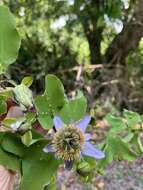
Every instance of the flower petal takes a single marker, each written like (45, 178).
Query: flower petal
(87, 136)
(48, 148)
(58, 123)
(83, 123)
(90, 150)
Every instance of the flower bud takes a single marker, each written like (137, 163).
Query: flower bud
(27, 138)
(83, 168)
(23, 96)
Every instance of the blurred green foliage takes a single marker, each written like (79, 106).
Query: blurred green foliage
(9, 39)
(58, 35)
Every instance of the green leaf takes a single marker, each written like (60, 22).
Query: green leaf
(27, 81)
(1, 136)
(36, 136)
(7, 159)
(53, 98)
(42, 105)
(44, 111)
(116, 149)
(9, 38)
(132, 118)
(54, 91)
(120, 149)
(38, 168)
(10, 161)
(12, 144)
(50, 102)
(116, 123)
(45, 121)
(3, 105)
(108, 157)
(74, 109)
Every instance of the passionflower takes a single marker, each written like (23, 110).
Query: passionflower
(70, 142)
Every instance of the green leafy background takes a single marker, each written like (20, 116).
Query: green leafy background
(9, 38)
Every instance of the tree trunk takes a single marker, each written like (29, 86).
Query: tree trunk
(94, 41)
(93, 33)
(128, 39)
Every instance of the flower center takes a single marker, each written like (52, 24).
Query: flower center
(68, 143)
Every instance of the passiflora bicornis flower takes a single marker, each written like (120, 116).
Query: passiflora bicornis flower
(71, 142)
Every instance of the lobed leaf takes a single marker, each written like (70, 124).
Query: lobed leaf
(116, 124)
(132, 118)
(74, 110)
(50, 102)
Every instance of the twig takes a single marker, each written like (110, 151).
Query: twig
(77, 68)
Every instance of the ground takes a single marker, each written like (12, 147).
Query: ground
(118, 176)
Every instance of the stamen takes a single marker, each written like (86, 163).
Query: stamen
(68, 143)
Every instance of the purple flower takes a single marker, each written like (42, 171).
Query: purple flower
(70, 141)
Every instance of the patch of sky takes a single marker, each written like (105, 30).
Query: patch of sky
(116, 23)
(59, 23)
